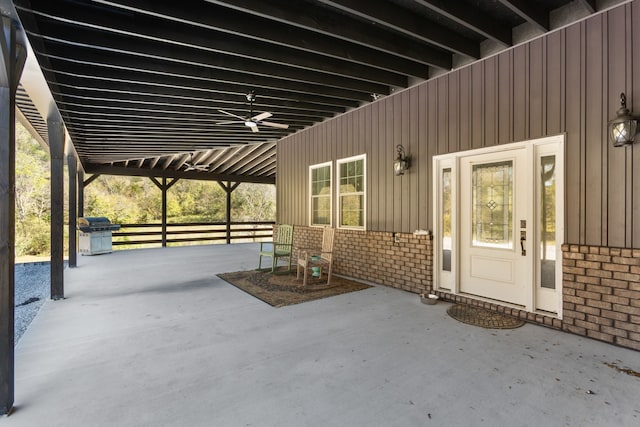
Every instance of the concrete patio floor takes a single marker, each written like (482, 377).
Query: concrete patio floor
(153, 338)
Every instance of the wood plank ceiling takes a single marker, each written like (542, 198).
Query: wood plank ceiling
(140, 84)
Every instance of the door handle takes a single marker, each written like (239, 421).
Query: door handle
(523, 239)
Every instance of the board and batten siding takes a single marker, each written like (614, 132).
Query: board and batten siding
(566, 82)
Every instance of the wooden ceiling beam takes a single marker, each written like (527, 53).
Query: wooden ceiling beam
(85, 44)
(178, 34)
(472, 18)
(530, 12)
(342, 27)
(168, 173)
(186, 104)
(130, 91)
(107, 75)
(590, 5)
(275, 76)
(209, 16)
(405, 22)
(207, 115)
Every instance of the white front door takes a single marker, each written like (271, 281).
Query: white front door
(499, 223)
(495, 213)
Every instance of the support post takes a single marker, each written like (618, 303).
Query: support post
(164, 186)
(56, 152)
(12, 58)
(80, 192)
(73, 206)
(164, 212)
(228, 188)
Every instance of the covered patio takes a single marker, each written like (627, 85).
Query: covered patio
(184, 91)
(144, 339)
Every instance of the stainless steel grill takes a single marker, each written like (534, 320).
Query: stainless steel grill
(95, 235)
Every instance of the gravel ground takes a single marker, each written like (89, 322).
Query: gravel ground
(32, 289)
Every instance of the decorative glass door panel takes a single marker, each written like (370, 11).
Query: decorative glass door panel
(447, 235)
(492, 205)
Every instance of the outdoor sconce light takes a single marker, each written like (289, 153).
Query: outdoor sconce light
(623, 129)
(401, 163)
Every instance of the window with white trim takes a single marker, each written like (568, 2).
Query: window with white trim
(320, 191)
(351, 192)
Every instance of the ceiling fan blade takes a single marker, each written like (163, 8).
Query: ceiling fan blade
(254, 129)
(228, 122)
(195, 167)
(261, 116)
(232, 115)
(275, 125)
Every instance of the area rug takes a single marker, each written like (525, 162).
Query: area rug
(279, 290)
(482, 317)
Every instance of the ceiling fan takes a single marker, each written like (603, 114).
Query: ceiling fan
(194, 166)
(252, 121)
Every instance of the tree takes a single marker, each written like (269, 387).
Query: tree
(33, 198)
(253, 202)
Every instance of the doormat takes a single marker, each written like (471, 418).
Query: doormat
(279, 290)
(482, 317)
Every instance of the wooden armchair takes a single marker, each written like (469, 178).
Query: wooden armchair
(279, 248)
(322, 258)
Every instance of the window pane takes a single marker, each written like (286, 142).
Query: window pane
(352, 211)
(320, 184)
(351, 193)
(492, 223)
(321, 195)
(358, 181)
(321, 212)
(446, 220)
(548, 222)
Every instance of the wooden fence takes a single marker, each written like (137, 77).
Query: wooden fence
(184, 233)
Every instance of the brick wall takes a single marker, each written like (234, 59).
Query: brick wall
(601, 286)
(403, 261)
(601, 293)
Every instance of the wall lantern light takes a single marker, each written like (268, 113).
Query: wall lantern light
(401, 163)
(623, 129)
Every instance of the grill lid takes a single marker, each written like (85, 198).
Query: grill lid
(96, 223)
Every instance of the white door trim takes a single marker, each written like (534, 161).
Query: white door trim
(449, 281)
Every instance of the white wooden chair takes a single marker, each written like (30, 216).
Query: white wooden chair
(322, 258)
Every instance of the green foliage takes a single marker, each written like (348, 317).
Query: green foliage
(124, 200)
(33, 196)
(120, 199)
(187, 201)
(135, 200)
(253, 202)
(33, 237)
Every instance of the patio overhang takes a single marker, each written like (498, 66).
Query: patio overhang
(145, 87)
